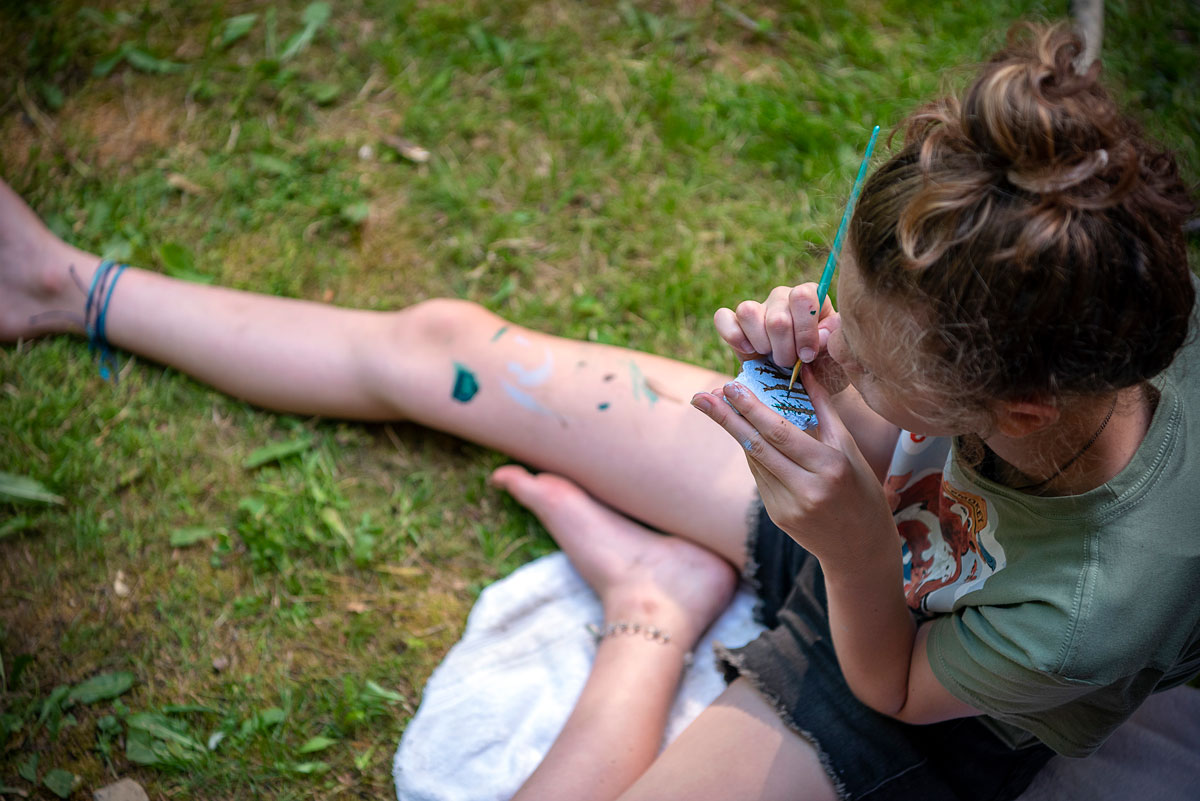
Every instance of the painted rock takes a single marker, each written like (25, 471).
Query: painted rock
(770, 385)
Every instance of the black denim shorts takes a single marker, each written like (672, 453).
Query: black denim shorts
(867, 755)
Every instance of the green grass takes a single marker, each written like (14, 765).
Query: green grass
(610, 174)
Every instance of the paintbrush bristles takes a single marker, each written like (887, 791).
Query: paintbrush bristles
(795, 372)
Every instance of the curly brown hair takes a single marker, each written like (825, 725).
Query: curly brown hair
(1037, 228)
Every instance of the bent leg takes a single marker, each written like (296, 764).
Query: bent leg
(642, 579)
(616, 421)
(736, 749)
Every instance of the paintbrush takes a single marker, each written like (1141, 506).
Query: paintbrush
(831, 262)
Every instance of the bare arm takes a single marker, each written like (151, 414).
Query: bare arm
(826, 496)
(874, 436)
(881, 651)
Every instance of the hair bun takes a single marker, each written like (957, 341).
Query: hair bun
(1052, 181)
(1037, 225)
(1047, 126)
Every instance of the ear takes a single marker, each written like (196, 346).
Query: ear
(1020, 418)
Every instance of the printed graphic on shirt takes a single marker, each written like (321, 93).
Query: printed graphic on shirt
(947, 533)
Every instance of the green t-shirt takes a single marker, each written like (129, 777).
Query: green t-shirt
(1058, 616)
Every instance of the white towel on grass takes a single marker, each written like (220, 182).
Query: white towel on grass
(493, 707)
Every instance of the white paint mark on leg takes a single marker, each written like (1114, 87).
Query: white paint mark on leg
(527, 401)
(535, 376)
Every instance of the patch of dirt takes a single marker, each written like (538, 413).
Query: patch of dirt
(361, 122)
(743, 63)
(119, 129)
(103, 130)
(18, 138)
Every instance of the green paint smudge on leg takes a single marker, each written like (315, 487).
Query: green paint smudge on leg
(465, 385)
(640, 385)
(602, 406)
(499, 333)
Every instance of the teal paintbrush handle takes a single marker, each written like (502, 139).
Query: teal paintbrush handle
(831, 262)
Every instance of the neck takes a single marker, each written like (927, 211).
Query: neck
(1064, 459)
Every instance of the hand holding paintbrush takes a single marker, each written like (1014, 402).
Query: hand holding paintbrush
(747, 331)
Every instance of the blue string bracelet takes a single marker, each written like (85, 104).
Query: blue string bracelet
(103, 283)
(106, 354)
(101, 270)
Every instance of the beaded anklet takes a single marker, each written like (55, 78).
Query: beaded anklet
(95, 314)
(648, 632)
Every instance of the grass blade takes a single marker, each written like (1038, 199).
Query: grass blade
(158, 726)
(317, 743)
(23, 488)
(102, 687)
(277, 451)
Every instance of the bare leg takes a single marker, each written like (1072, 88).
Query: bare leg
(616, 728)
(613, 420)
(737, 749)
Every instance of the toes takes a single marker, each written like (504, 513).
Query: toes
(510, 476)
(517, 482)
(537, 492)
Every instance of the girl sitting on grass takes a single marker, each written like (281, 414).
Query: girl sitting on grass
(987, 554)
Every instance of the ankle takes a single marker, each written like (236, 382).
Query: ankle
(61, 287)
(647, 644)
(645, 615)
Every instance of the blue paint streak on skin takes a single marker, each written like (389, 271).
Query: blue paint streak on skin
(640, 386)
(602, 406)
(499, 333)
(465, 385)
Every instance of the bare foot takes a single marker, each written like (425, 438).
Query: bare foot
(38, 295)
(639, 575)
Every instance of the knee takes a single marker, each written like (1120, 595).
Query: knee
(441, 322)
